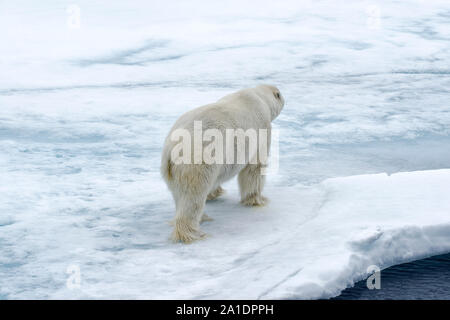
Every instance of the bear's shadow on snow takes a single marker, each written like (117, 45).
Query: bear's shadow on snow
(147, 226)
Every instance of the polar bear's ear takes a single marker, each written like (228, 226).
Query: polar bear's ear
(277, 95)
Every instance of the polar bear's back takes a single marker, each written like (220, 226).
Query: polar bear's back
(243, 109)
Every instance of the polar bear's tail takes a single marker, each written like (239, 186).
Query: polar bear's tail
(166, 167)
(166, 170)
(169, 170)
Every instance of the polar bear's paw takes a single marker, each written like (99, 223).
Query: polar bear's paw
(186, 233)
(215, 194)
(205, 217)
(255, 200)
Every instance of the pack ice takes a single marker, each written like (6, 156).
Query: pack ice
(88, 92)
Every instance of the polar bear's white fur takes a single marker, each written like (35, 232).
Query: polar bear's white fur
(192, 184)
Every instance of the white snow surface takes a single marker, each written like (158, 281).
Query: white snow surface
(364, 172)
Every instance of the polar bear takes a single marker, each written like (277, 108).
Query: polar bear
(192, 180)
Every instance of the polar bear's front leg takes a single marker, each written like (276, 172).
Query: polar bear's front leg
(251, 183)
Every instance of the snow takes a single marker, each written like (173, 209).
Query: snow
(84, 111)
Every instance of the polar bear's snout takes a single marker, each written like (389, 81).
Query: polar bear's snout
(213, 143)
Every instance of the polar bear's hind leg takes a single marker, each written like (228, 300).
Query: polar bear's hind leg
(187, 220)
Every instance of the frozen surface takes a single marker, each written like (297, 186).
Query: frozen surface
(84, 111)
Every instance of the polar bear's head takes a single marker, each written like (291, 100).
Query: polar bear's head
(272, 97)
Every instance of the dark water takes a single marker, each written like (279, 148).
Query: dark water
(423, 279)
